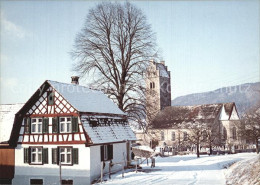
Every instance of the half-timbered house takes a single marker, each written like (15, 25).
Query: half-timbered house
(67, 133)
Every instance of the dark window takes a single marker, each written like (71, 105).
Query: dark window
(162, 135)
(173, 136)
(36, 181)
(106, 152)
(66, 182)
(234, 131)
(224, 133)
(50, 98)
(152, 85)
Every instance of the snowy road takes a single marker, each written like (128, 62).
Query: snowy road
(187, 170)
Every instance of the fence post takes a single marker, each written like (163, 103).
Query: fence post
(123, 170)
(136, 165)
(101, 178)
(110, 164)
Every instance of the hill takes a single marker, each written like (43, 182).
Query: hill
(245, 96)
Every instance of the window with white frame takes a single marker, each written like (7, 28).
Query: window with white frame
(36, 125)
(66, 155)
(65, 125)
(36, 155)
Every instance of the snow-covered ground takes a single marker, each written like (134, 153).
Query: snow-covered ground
(244, 172)
(186, 170)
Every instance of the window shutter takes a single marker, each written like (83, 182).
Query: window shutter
(75, 155)
(55, 125)
(102, 153)
(45, 126)
(45, 156)
(27, 125)
(26, 155)
(54, 156)
(110, 152)
(75, 127)
(29, 155)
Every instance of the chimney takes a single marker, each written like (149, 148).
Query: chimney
(75, 80)
(163, 62)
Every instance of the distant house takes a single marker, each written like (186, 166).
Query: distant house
(68, 132)
(7, 159)
(173, 124)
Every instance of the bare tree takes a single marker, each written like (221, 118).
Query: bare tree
(213, 135)
(197, 134)
(251, 123)
(114, 49)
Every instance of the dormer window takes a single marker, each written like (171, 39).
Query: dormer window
(36, 125)
(50, 98)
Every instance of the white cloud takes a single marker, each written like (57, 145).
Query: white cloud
(11, 29)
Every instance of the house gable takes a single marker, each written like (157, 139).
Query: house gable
(38, 107)
(223, 115)
(59, 105)
(234, 114)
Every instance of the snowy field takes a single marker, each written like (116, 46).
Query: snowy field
(188, 170)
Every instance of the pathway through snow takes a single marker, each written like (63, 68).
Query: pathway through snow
(188, 170)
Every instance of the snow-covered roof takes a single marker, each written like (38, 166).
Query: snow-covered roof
(162, 70)
(7, 114)
(108, 133)
(184, 114)
(85, 99)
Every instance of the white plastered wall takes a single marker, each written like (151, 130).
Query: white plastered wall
(119, 155)
(79, 173)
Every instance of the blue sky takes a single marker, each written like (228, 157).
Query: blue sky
(206, 44)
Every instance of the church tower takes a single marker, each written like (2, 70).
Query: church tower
(158, 84)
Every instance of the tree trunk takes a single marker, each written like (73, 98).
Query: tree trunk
(198, 150)
(210, 149)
